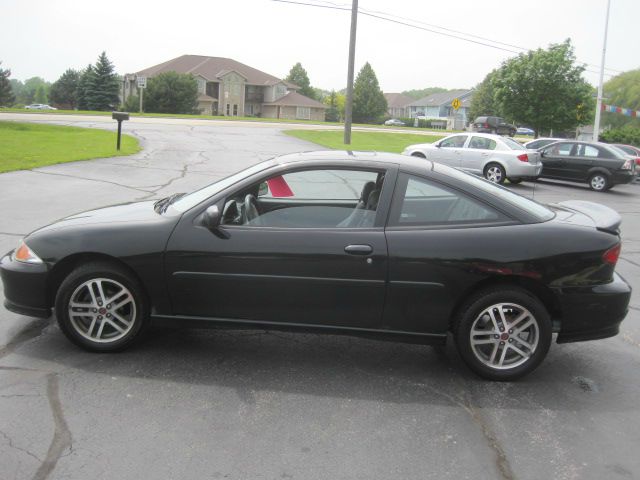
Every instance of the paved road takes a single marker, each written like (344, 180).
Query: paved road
(252, 405)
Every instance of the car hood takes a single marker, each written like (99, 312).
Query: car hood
(127, 213)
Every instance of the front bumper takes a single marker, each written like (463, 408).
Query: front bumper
(590, 313)
(25, 287)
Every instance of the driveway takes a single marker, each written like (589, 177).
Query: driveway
(196, 404)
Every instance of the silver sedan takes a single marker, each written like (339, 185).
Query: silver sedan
(496, 158)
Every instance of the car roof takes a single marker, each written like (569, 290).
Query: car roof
(353, 155)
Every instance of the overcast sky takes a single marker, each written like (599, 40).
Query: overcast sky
(45, 37)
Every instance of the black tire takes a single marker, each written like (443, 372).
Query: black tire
(521, 308)
(105, 327)
(418, 154)
(494, 172)
(515, 181)
(599, 182)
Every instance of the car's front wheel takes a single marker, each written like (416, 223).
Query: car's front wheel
(495, 173)
(101, 307)
(503, 333)
(599, 182)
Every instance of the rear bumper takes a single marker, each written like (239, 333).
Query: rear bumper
(524, 170)
(25, 287)
(591, 313)
(621, 178)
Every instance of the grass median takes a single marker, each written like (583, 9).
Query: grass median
(26, 145)
(378, 141)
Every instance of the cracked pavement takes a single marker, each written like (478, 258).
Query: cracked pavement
(195, 404)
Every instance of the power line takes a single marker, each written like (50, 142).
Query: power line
(386, 17)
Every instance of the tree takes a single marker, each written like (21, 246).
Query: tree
(41, 95)
(28, 90)
(623, 91)
(64, 91)
(6, 93)
(332, 114)
(483, 101)
(628, 135)
(543, 89)
(298, 76)
(369, 103)
(417, 94)
(103, 86)
(171, 92)
(82, 95)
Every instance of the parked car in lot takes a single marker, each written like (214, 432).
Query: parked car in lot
(538, 143)
(495, 125)
(630, 150)
(395, 122)
(496, 158)
(378, 245)
(39, 106)
(525, 131)
(599, 165)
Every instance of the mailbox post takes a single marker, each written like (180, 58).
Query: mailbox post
(120, 117)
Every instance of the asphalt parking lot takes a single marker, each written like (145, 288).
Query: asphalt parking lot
(204, 404)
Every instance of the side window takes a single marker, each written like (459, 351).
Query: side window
(420, 202)
(454, 142)
(588, 151)
(560, 149)
(320, 198)
(482, 143)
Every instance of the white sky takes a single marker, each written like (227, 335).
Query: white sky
(45, 37)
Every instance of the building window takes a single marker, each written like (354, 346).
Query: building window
(281, 91)
(303, 113)
(248, 109)
(235, 109)
(228, 112)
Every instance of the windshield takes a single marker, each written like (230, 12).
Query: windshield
(191, 200)
(512, 144)
(530, 206)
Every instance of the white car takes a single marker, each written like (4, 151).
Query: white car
(495, 157)
(39, 106)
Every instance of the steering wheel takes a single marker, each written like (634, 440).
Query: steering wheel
(231, 214)
(250, 209)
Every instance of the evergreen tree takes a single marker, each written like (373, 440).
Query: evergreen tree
(6, 93)
(369, 104)
(83, 88)
(332, 114)
(64, 91)
(103, 86)
(171, 92)
(298, 76)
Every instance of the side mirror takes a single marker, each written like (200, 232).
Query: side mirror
(543, 154)
(211, 217)
(437, 145)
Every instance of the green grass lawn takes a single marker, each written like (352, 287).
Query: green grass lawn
(26, 145)
(378, 141)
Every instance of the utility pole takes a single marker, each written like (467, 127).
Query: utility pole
(348, 107)
(596, 125)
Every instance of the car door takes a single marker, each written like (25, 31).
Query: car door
(554, 160)
(582, 159)
(476, 152)
(289, 265)
(449, 150)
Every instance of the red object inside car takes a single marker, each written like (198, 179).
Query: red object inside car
(279, 187)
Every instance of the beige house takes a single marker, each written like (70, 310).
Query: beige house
(397, 104)
(230, 88)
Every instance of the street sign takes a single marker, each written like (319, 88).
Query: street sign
(456, 103)
(142, 82)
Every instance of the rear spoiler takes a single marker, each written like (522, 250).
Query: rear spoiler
(604, 218)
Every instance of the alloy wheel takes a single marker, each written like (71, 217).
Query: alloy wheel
(494, 174)
(598, 182)
(102, 310)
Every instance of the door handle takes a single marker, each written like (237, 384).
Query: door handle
(358, 249)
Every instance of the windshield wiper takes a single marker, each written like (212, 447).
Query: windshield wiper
(161, 205)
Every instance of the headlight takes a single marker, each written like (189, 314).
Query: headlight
(24, 254)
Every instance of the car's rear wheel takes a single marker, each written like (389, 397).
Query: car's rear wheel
(503, 333)
(418, 154)
(101, 307)
(599, 182)
(495, 173)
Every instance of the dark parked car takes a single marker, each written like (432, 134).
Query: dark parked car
(600, 165)
(630, 150)
(496, 125)
(378, 245)
(538, 143)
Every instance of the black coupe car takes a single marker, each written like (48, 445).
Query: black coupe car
(379, 245)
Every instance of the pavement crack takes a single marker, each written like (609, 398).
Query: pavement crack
(15, 447)
(90, 180)
(630, 261)
(32, 331)
(11, 234)
(62, 439)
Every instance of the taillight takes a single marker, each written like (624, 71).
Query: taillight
(611, 255)
(638, 162)
(523, 158)
(627, 165)
(486, 125)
